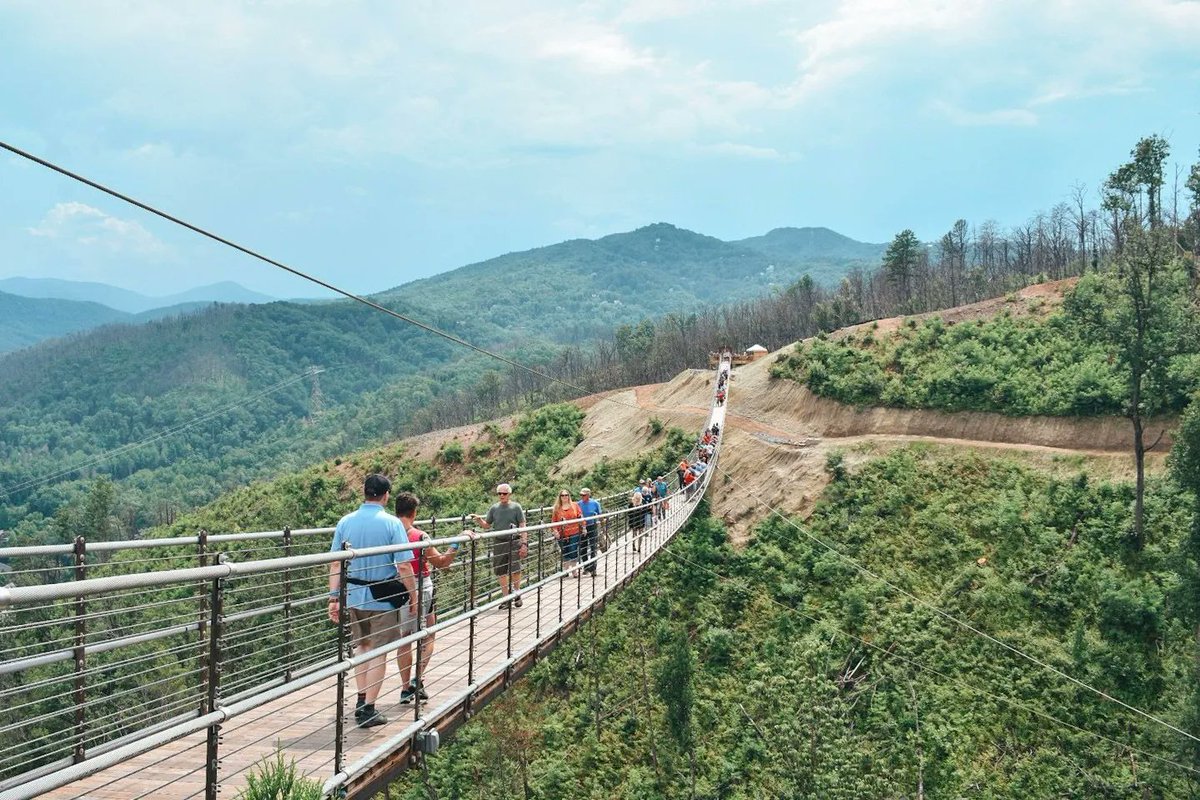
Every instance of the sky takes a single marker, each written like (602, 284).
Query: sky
(373, 143)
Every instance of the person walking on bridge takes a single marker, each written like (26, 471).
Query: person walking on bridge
(407, 504)
(568, 532)
(589, 543)
(378, 585)
(660, 491)
(506, 551)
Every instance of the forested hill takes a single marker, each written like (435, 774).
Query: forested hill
(27, 320)
(125, 300)
(220, 396)
(821, 247)
(206, 393)
(584, 287)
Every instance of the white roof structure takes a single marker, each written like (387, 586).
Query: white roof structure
(758, 348)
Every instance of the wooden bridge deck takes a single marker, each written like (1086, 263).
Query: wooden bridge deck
(302, 723)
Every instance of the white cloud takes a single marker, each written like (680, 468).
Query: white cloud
(746, 151)
(1016, 117)
(357, 81)
(80, 224)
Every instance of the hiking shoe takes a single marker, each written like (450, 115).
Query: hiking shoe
(418, 689)
(406, 695)
(517, 602)
(504, 606)
(370, 718)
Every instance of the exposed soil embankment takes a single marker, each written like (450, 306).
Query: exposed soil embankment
(779, 435)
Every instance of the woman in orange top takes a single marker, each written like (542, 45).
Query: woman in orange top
(567, 512)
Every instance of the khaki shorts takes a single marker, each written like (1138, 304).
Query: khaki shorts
(371, 629)
(408, 624)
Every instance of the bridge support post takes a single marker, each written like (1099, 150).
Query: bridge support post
(339, 723)
(418, 673)
(471, 621)
(202, 619)
(212, 767)
(80, 654)
(287, 606)
(537, 620)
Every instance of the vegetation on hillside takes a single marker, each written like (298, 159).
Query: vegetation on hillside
(158, 679)
(800, 676)
(1011, 365)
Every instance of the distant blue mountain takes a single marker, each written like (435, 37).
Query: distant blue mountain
(25, 321)
(124, 299)
(799, 245)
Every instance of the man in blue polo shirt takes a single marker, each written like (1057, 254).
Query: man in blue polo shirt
(589, 545)
(373, 622)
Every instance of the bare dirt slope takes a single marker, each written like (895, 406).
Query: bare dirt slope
(779, 434)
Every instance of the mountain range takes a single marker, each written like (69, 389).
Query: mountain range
(230, 380)
(615, 279)
(125, 300)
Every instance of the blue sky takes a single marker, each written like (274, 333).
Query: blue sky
(375, 143)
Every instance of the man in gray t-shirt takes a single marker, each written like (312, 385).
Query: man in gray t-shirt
(506, 551)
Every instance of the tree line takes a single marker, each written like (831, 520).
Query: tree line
(967, 264)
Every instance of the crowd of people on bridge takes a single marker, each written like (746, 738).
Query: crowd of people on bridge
(690, 473)
(388, 595)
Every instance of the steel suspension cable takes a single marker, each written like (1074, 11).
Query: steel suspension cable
(280, 265)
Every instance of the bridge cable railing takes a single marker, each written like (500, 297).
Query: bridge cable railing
(311, 655)
(229, 570)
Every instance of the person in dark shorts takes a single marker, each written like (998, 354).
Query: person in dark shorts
(636, 516)
(506, 551)
(589, 543)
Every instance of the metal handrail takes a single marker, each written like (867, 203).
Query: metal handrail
(213, 623)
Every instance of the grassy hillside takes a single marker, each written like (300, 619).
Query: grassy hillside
(781, 671)
(1066, 363)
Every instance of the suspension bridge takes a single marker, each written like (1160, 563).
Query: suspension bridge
(124, 674)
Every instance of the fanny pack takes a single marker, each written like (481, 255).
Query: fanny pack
(391, 591)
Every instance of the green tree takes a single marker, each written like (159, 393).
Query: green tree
(1149, 156)
(1142, 312)
(678, 695)
(900, 262)
(1193, 220)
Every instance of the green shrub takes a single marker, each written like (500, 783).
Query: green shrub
(451, 453)
(274, 779)
(656, 426)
